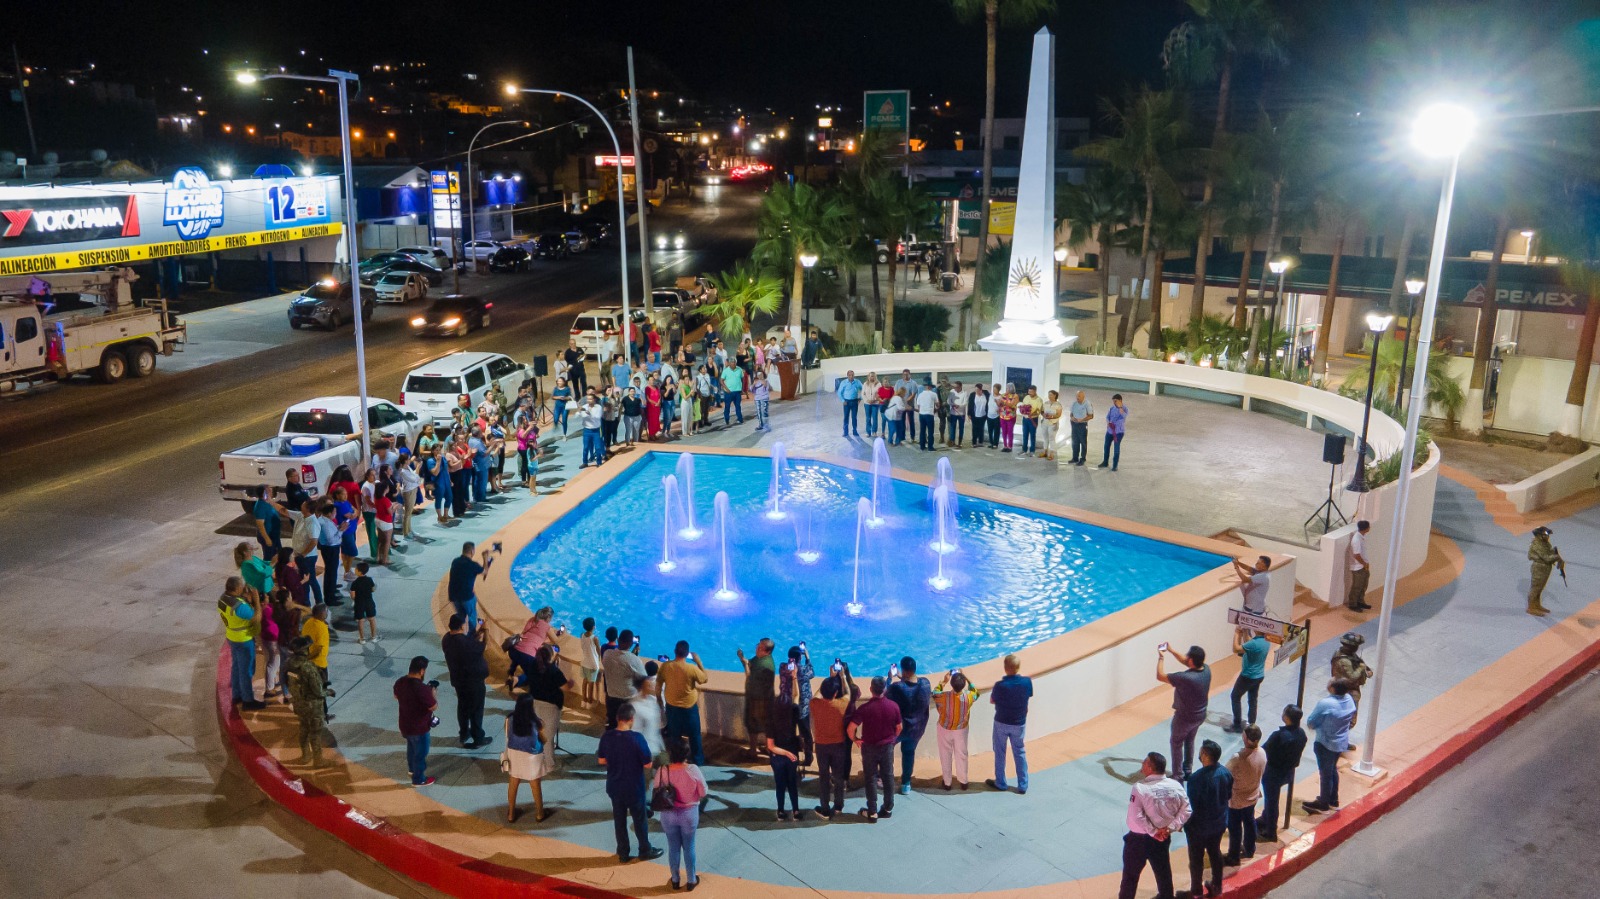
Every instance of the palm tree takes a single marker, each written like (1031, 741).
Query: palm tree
(743, 291)
(1204, 50)
(1242, 203)
(1150, 146)
(1443, 391)
(994, 12)
(1173, 225)
(988, 296)
(900, 208)
(1569, 235)
(794, 221)
(1280, 151)
(1098, 210)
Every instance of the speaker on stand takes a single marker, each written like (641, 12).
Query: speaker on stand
(1333, 446)
(541, 368)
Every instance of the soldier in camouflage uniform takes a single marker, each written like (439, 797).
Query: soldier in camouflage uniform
(1348, 665)
(309, 696)
(1544, 558)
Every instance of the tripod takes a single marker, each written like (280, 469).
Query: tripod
(1329, 508)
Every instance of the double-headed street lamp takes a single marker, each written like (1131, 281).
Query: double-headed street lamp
(343, 80)
(472, 223)
(1413, 289)
(622, 209)
(1377, 323)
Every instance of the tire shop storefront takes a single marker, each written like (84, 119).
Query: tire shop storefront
(186, 233)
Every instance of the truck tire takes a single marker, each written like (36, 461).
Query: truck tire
(113, 366)
(333, 321)
(141, 360)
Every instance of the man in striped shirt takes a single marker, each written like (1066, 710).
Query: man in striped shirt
(953, 701)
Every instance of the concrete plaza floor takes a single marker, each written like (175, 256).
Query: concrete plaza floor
(1063, 838)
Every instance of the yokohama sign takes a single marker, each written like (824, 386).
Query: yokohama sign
(67, 220)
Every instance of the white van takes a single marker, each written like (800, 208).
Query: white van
(598, 331)
(431, 390)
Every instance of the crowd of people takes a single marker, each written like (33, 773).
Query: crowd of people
(940, 413)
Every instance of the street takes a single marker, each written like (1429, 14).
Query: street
(115, 543)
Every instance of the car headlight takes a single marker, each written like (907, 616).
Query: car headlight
(679, 243)
(450, 322)
(418, 322)
(661, 243)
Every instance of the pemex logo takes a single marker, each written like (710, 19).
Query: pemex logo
(193, 204)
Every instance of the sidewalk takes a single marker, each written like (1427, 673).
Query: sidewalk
(1461, 649)
(215, 335)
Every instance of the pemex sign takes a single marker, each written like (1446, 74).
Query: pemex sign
(888, 111)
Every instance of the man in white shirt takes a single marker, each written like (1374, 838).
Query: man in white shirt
(1360, 570)
(593, 415)
(1254, 584)
(980, 414)
(1157, 807)
(957, 420)
(927, 403)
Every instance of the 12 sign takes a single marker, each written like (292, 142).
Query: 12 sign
(292, 202)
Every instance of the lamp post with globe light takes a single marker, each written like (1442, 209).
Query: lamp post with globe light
(1440, 131)
(1413, 289)
(807, 261)
(343, 80)
(1377, 323)
(1278, 267)
(622, 209)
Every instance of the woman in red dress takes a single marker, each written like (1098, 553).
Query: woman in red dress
(652, 408)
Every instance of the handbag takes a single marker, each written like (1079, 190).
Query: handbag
(664, 797)
(505, 761)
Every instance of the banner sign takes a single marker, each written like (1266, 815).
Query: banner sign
(1002, 217)
(969, 188)
(1513, 296)
(144, 252)
(31, 223)
(193, 204)
(445, 182)
(1261, 624)
(604, 161)
(1294, 646)
(296, 201)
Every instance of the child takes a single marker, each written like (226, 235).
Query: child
(589, 666)
(366, 611)
(762, 394)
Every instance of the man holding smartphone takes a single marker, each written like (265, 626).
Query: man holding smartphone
(680, 685)
(464, 574)
(624, 670)
(1191, 691)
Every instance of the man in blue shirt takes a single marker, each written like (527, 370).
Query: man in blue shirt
(1331, 721)
(1080, 414)
(269, 523)
(626, 757)
(464, 574)
(850, 395)
(912, 694)
(911, 388)
(1010, 699)
(1209, 790)
(1252, 648)
(480, 465)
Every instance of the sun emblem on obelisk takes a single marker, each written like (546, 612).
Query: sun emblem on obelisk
(1025, 276)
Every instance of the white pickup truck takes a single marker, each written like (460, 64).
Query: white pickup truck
(315, 438)
(54, 326)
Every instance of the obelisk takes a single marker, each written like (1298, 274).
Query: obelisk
(1026, 347)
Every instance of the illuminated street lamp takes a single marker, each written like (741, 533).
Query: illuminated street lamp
(1441, 131)
(472, 224)
(1413, 289)
(1377, 323)
(807, 260)
(1061, 261)
(622, 210)
(343, 80)
(1278, 267)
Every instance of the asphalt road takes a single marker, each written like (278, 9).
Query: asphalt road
(113, 541)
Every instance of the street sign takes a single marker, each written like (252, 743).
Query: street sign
(1261, 624)
(1293, 647)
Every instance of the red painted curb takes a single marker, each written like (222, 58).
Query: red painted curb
(372, 836)
(1261, 877)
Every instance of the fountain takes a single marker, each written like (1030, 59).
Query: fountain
(691, 530)
(805, 548)
(775, 488)
(669, 499)
(882, 488)
(947, 535)
(725, 588)
(863, 520)
(943, 475)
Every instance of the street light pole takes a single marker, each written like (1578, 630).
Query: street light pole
(1277, 267)
(622, 209)
(1413, 287)
(1440, 131)
(807, 260)
(1377, 323)
(343, 80)
(638, 189)
(472, 222)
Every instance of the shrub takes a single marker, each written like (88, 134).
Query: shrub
(920, 324)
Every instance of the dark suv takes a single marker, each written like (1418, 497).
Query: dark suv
(326, 304)
(552, 246)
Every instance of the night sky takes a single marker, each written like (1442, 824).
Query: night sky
(788, 55)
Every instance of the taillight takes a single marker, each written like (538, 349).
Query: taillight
(402, 397)
(488, 305)
(308, 474)
(576, 331)
(222, 470)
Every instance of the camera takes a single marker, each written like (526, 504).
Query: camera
(434, 684)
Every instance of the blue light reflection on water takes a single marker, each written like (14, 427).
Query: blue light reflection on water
(1019, 577)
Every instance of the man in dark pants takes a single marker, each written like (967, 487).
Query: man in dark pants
(1191, 690)
(626, 757)
(1331, 719)
(874, 730)
(1209, 790)
(576, 376)
(1156, 808)
(328, 547)
(1080, 414)
(1284, 749)
(463, 655)
(912, 695)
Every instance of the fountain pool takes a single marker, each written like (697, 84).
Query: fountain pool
(1014, 577)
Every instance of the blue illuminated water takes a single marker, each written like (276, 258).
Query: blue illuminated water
(1018, 577)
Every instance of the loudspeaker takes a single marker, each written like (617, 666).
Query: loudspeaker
(541, 369)
(1333, 449)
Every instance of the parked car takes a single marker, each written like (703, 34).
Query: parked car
(552, 246)
(577, 241)
(509, 259)
(452, 315)
(431, 390)
(373, 267)
(434, 256)
(598, 231)
(677, 240)
(327, 304)
(670, 300)
(597, 331)
(479, 249)
(407, 264)
(400, 287)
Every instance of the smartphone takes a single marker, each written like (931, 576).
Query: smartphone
(636, 644)
(498, 546)
(894, 670)
(803, 646)
(954, 671)
(663, 659)
(1161, 648)
(691, 656)
(838, 666)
